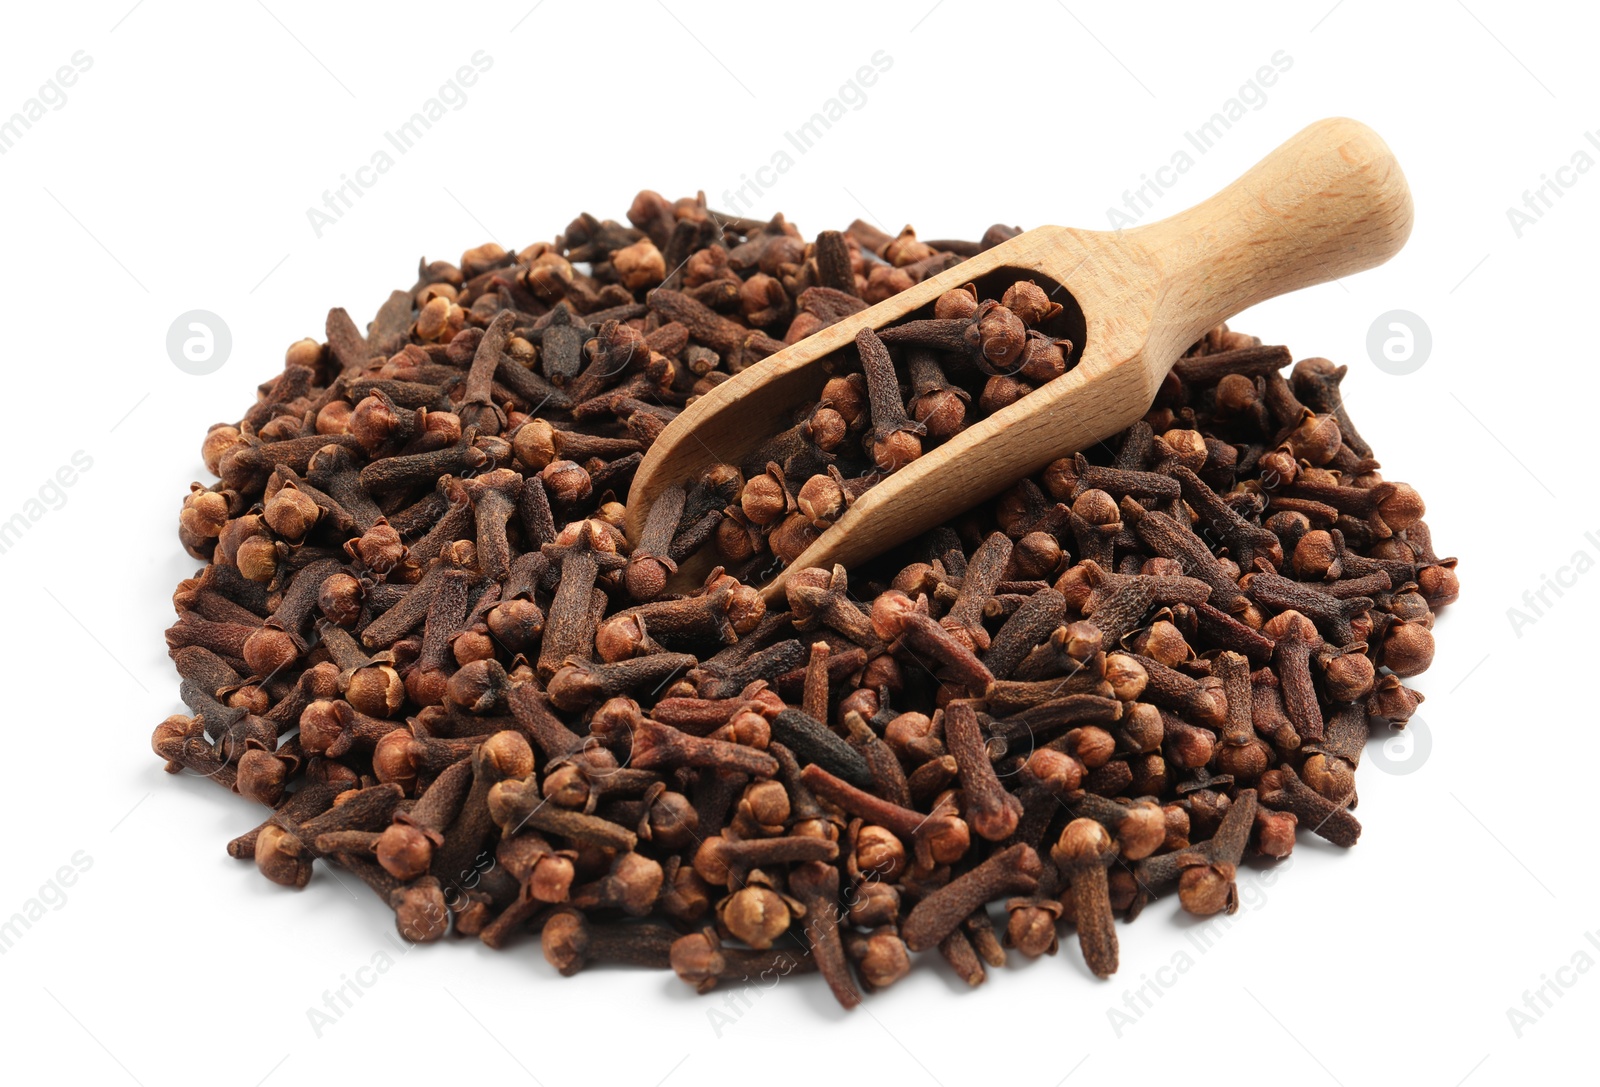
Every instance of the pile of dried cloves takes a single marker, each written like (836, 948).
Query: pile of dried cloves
(423, 642)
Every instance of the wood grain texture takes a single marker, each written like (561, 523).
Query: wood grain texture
(1329, 202)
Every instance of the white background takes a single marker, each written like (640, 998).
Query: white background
(177, 176)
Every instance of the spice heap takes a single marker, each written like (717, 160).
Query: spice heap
(423, 642)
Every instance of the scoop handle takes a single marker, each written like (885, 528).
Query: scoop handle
(1330, 201)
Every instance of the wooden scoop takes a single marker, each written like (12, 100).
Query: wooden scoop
(1329, 202)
